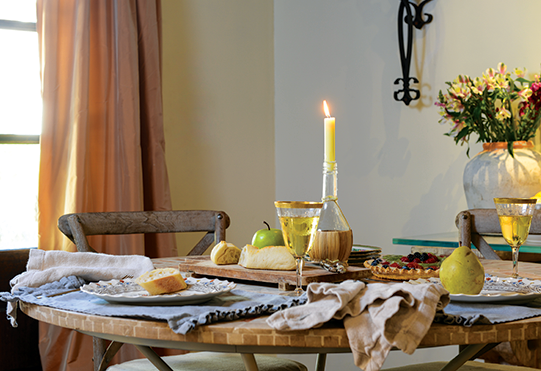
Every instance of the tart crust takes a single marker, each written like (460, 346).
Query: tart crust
(398, 274)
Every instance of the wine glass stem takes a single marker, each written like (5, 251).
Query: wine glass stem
(515, 260)
(298, 289)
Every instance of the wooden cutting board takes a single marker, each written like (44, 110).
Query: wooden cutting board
(203, 266)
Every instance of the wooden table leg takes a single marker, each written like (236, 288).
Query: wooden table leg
(320, 361)
(462, 357)
(249, 362)
(99, 348)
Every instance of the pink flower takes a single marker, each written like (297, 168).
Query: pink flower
(525, 93)
(490, 73)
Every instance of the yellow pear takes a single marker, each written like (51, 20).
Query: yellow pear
(462, 272)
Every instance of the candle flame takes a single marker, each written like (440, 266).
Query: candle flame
(326, 109)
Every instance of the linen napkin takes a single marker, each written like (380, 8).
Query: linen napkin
(377, 316)
(47, 266)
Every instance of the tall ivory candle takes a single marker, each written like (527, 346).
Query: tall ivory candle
(329, 134)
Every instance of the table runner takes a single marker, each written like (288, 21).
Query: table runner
(230, 306)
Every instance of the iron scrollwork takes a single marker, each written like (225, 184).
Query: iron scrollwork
(414, 18)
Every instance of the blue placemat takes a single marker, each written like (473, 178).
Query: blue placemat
(233, 305)
(469, 314)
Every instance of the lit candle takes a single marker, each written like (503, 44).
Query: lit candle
(329, 134)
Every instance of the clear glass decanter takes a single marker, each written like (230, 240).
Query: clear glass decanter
(334, 237)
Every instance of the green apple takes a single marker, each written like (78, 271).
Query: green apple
(268, 237)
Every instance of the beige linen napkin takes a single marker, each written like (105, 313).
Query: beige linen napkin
(50, 266)
(377, 316)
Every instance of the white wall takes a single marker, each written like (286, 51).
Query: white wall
(398, 174)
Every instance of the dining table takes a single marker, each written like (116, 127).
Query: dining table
(254, 335)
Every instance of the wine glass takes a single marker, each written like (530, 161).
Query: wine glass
(515, 216)
(299, 220)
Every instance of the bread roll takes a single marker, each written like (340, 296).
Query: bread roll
(161, 281)
(270, 257)
(225, 253)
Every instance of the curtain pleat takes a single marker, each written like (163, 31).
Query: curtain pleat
(102, 141)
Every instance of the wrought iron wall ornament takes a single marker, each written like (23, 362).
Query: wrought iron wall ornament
(414, 17)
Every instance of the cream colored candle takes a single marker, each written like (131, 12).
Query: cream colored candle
(329, 134)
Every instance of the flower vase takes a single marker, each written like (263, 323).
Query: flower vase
(493, 172)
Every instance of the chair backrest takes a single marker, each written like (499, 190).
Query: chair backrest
(77, 226)
(473, 223)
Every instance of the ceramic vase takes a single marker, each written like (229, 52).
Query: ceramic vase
(494, 173)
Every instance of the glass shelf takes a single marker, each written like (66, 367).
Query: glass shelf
(450, 239)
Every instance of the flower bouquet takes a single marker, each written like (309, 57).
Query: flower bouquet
(496, 106)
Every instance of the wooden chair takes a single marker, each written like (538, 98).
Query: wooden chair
(80, 225)
(474, 223)
(77, 226)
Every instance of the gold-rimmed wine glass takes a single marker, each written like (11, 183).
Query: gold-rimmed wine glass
(299, 220)
(515, 216)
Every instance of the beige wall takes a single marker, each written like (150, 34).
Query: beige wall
(218, 94)
(243, 86)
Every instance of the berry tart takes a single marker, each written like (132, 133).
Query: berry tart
(408, 267)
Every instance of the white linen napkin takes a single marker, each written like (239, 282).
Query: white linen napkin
(377, 316)
(49, 266)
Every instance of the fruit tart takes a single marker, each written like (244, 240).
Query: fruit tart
(405, 267)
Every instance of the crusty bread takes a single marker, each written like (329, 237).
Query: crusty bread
(225, 253)
(270, 257)
(161, 281)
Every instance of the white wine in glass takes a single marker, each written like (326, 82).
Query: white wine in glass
(299, 220)
(515, 216)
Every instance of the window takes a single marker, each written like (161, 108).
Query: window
(20, 123)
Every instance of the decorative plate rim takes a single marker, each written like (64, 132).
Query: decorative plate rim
(127, 288)
(504, 289)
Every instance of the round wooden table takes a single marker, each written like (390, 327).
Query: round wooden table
(256, 336)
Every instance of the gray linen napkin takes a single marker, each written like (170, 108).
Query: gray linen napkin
(377, 317)
(47, 266)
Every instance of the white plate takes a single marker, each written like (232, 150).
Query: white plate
(499, 290)
(362, 249)
(533, 238)
(128, 292)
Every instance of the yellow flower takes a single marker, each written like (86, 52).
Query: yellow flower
(520, 72)
(478, 86)
(502, 113)
(460, 91)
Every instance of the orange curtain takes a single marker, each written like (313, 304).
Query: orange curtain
(102, 142)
